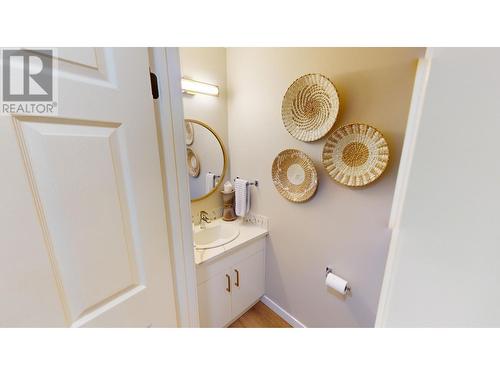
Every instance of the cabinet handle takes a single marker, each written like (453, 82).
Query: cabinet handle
(228, 289)
(237, 283)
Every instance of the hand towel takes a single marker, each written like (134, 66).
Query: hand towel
(242, 195)
(209, 182)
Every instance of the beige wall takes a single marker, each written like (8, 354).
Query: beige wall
(340, 226)
(206, 65)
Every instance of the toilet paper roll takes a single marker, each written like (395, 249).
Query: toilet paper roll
(337, 283)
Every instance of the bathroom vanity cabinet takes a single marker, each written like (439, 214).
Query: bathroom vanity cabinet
(231, 283)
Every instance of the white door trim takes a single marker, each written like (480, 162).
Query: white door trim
(165, 64)
(414, 114)
(417, 101)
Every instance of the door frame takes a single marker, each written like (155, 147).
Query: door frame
(411, 134)
(169, 113)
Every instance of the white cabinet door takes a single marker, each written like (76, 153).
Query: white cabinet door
(248, 282)
(83, 235)
(214, 301)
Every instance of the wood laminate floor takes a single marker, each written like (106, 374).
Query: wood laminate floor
(260, 316)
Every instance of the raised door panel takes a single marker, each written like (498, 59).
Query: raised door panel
(83, 56)
(28, 293)
(76, 175)
(89, 65)
(214, 302)
(249, 274)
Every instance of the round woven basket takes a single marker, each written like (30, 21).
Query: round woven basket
(355, 154)
(193, 163)
(189, 132)
(310, 107)
(294, 175)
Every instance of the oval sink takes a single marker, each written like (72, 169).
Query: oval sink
(214, 236)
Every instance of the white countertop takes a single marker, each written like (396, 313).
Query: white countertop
(248, 233)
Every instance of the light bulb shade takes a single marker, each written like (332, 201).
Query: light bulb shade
(195, 87)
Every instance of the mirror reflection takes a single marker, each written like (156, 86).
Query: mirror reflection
(206, 159)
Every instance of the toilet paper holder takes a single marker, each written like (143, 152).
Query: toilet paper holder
(329, 269)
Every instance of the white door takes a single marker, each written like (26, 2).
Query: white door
(214, 300)
(248, 282)
(83, 235)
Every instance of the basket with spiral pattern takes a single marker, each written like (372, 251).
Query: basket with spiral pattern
(310, 107)
(188, 125)
(294, 175)
(355, 154)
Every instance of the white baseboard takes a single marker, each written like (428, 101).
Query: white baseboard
(282, 312)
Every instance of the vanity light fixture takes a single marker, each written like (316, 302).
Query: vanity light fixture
(192, 87)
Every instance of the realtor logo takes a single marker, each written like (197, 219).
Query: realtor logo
(27, 81)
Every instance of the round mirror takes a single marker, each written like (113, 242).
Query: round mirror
(206, 157)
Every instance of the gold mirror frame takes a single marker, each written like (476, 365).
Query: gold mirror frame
(224, 154)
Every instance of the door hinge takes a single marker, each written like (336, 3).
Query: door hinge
(154, 85)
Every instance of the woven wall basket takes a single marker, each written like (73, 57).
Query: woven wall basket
(355, 154)
(193, 163)
(310, 107)
(188, 125)
(294, 175)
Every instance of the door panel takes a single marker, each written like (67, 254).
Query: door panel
(91, 194)
(29, 295)
(88, 184)
(96, 65)
(83, 56)
(251, 282)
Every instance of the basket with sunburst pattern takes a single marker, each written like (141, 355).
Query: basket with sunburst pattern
(310, 107)
(355, 154)
(294, 175)
(193, 163)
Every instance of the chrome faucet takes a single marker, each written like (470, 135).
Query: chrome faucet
(204, 219)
